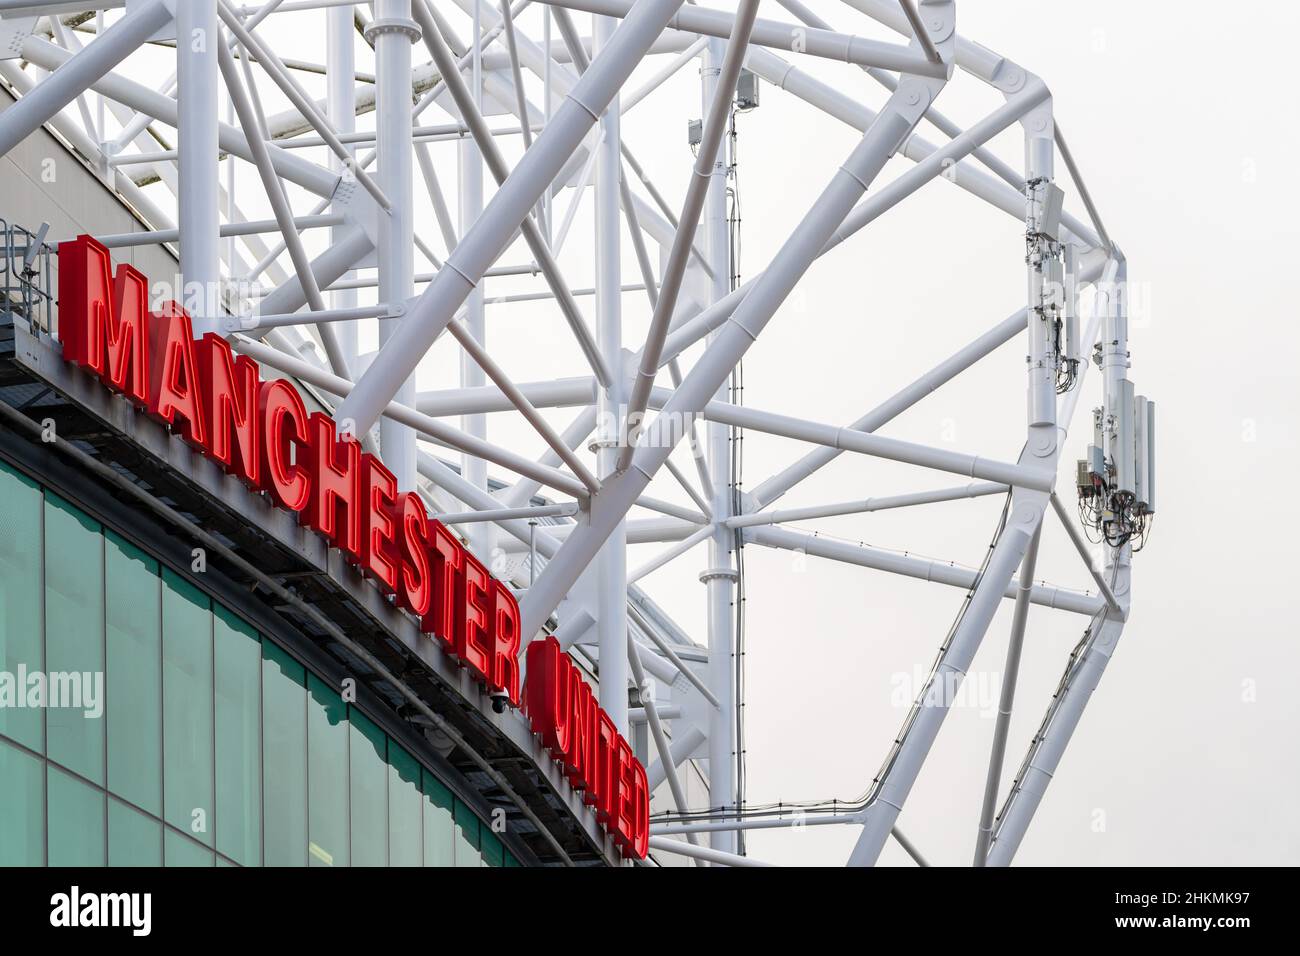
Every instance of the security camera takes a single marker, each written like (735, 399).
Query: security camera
(499, 701)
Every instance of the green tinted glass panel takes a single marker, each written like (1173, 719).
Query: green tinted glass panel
(76, 821)
(511, 860)
(327, 775)
(404, 808)
(74, 638)
(369, 789)
(494, 854)
(284, 757)
(237, 657)
(182, 851)
(467, 842)
(187, 708)
(133, 614)
(439, 825)
(22, 807)
(21, 644)
(134, 839)
(204, 725)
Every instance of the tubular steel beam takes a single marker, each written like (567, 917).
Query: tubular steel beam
(675, 268)
(926, 569)
(669, 845)
(432, 427)
(700, 384)
(537, 245)
(73, 74)
(1006, 698)
(781, 36)
(487, 238)
(1081, 546)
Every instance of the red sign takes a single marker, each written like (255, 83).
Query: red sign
(596, 757)
(260, 431)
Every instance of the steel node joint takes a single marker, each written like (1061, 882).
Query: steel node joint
(377, 28)
(712, 574)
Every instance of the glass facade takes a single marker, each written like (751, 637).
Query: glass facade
(195, 740)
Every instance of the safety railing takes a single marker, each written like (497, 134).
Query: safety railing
(25, 275)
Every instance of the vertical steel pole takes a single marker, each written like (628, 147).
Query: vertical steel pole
(548, 225)
(611, 621)
(199, 171)
(720, 576)
(469, 207)
(393, 32)
(1009, 675)
(341, 108)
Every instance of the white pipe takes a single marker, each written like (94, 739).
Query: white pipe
(341, 110)
(470, 108)
(611, 563)
(438, 431)
(940, 572)
(1010, 674)
(251, 227)
(489, 235)
(676, 551)
(719, 71)
(484, 360)
(685, 743)
(501, 514)
(73, 74)
(139, 97)
(755, 823)
(199, 215)
(783, 36)
(1081, 546)
(651, 712)
(778, 484)
(794, 258)
(973, 490)
(669, 845)
(393, 32)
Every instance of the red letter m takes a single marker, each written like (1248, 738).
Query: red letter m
(101, 319)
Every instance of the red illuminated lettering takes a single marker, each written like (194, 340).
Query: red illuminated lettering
(576, 731)
(549, 695)
(284, 431)
(416, 592)
(173, 376)
(448, 557)
(505, 641)
(379, 519)
(473, 639)
(606, 744)
(102, 319)
(334, 506)
(261, 432)
(229, 387)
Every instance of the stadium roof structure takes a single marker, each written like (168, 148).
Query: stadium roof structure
(166, 150)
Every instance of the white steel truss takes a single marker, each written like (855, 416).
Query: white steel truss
(564, 522)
